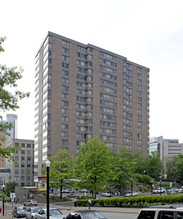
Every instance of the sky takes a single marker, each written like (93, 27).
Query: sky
(147, 32)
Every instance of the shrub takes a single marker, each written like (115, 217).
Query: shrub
(138, 201)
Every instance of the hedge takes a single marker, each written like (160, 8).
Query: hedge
(138, 201)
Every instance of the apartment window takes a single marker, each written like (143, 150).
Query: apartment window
(65, 58)
(81, 70)
(65, 50)
(65, 73)
(108, 56)
(79, 91)
(89, 57)
(65, 126)
(65, 43)
(80, 48)
(90, 63)
(81, 99)
(64, 142)
(65, 65)
(81, 55)
(65, 111)
(65, 81)
(65, 88)
(64, 134)
(80, 84)
(90, 71)
(65, 96)
(65, 119)
(80, 77)
(16, 171)
(90, 49)
(79, 62)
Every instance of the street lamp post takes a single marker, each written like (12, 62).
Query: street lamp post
(151, 187)
(3, 200)
(47, 170)
(160, 183)
(131, 186)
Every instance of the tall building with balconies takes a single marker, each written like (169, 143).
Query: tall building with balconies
(83, 91)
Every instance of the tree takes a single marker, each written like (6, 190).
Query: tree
(10, 188)
(179, 169)
(61, 169)
(9, 100)
(122, 167)
(171, 168)
(93, 165)
(153, 166)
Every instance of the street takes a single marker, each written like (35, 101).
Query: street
(107, 214)
(112, 215)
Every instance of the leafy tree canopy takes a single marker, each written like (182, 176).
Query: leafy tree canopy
(61, 169)
(93, 165)
(10, 188)
(9, 97)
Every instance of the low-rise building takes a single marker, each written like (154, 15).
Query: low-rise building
(167, 148)
(22, 171)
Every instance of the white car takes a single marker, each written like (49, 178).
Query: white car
(129, 194)
(30, 213)
(160, 212)
(159, 190)
(54, 213)
(30, 203)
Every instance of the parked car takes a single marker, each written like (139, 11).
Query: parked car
(83, 190)
(19, 212)
(181, 189)
(54, 213)
(129, 194)
(30, 213)
(160, 212)
(72, 195)
(85, 214)
(172, 191)
(66, 190)
(30, 203)
(159, 190)
(106, 194)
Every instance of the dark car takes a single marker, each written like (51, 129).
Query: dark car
(84, 214)
(19, 212)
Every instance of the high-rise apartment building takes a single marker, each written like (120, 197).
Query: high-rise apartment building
(83, 91)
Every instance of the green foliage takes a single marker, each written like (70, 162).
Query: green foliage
(10, 188)
(179, 169)
(61, 169)
(154, 166)
(57, 199)
(93, 165)
(9, 97)
(138, 201)
(123, 164)
(171, 169)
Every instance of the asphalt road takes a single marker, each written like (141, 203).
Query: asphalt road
(112, 215)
